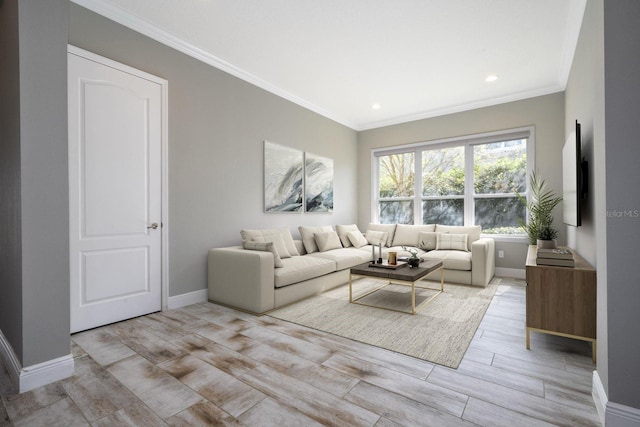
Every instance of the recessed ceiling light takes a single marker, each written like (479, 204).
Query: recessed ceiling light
(491, 78)
(376, 106)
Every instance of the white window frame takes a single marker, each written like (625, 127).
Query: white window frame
(468, 141)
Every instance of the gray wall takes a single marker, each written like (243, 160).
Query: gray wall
(584, 101)
(604, 90)
(35, 219)
(217, 125)
(545, 112)
(622, 181)
(10, 223)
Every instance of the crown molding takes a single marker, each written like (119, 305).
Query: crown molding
(462, 107)
(570, 43)
(153, 32)
(121, 17)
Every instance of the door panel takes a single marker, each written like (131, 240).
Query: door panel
(115, 140)
(115, 273)
(107, 210)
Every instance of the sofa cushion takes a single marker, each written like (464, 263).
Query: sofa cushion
(473, 232)
(308, 237)
(343, 230)
(278, 243)
(427, 240)
(451, 260)
(327, 241)
(345, 257)
(455, 242)
(284, 232)
(299, 268)
(407, 235)
(265, 247)
(376, 237)
(300, 246)
(357, 239)
(389, 228)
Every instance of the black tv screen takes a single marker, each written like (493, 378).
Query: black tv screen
(572, 178)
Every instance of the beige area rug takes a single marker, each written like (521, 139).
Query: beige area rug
(439, 333)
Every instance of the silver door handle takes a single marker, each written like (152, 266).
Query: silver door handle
(153, 226)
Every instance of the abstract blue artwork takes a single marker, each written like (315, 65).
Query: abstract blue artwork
(318, 173)
(283, 175)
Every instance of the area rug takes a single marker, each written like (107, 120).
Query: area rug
(439, 333)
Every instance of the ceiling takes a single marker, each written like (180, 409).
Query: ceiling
(414, 58)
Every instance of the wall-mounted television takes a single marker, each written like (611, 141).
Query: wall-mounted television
(574, 178)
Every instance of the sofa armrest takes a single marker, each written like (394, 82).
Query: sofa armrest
(242, 278)
(483, 261)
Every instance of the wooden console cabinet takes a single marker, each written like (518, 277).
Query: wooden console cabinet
(561, 300)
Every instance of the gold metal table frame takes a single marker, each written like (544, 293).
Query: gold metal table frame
(393, 281)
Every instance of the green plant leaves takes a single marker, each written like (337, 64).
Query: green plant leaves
(540, 207)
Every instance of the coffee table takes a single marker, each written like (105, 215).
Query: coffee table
(401, 276)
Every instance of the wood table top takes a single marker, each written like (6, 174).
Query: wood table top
(402, 273)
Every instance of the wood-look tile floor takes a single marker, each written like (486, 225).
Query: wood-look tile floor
(210, 365)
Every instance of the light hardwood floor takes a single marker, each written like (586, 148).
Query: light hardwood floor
(210, 365)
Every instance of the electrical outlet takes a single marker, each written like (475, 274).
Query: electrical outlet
(500, 254)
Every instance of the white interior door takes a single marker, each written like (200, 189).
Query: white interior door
(115, 168)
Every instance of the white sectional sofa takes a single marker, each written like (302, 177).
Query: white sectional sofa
(272, 269)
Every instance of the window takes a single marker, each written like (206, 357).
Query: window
(396, 189)
(500, 172)
(443, 186)
(468, 181)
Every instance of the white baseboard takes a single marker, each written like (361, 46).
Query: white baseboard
(35, 375)
(621, 416)
(46, 372)
(516, 273)
(599, 396)
(10, 360)
(189, 298)
(612, 414)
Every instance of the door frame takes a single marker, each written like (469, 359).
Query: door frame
(164, 153)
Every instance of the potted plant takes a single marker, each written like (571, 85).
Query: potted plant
(413, 260)
(547, 237)
(543, 200)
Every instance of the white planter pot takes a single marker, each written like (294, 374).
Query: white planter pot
(546, 244)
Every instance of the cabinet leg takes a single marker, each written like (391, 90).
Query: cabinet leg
(593, 350)
(528, 340)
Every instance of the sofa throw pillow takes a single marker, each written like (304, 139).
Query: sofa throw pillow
(284, 232)
(376, 237)
(453, 242)
(342, 231)
(408, 235)
(327, 241)
(357, 239)
(390, 229)
(473, 231)
(427, 240)
(264, 247)
(308, 238)
(278, 244)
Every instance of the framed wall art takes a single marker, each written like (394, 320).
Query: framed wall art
(318, 183)
(283, 178)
